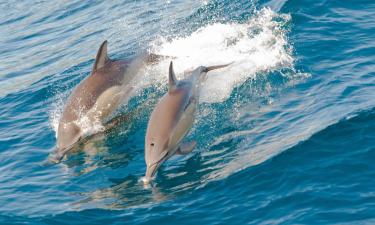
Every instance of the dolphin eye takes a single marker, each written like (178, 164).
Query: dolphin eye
(152, 144)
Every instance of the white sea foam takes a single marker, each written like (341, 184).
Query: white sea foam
(256, 46)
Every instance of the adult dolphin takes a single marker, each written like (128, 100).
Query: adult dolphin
(96, 97)
(172, 118)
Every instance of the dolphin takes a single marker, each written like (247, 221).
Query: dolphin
(96, 97)
(172, 118)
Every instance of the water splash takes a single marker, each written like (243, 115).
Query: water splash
(259, 45)
(88, 125)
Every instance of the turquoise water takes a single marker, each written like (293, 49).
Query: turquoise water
(285, 134)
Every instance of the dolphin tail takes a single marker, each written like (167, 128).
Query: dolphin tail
(209, 68)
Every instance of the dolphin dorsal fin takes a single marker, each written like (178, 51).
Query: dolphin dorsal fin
(101, 56)
(172, 81)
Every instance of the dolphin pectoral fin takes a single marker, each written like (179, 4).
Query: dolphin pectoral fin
(186, 148)
(101, 56)
(172, 80)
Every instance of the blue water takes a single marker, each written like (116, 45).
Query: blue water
(290, 143)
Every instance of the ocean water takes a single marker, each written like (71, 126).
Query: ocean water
(285, 134)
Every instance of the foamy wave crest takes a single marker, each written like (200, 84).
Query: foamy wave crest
(259, 45)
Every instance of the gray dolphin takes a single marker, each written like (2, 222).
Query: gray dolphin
(172, 118)
(96, 97)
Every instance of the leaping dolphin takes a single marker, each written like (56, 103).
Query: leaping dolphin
(172, 119)
(96, 97)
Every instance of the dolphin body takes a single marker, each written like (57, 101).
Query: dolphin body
(172, 118)
(96, 97)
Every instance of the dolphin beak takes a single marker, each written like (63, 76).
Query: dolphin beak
(151, 171)
(58, 154)
(55, 156)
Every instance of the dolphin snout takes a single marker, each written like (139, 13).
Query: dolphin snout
(56, 156)
(150, 172)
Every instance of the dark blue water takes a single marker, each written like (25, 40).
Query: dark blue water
(285, 135)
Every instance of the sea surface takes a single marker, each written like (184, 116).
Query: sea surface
(286, 133)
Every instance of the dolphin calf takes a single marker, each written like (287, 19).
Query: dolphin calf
(95, 98)
(172, 118)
